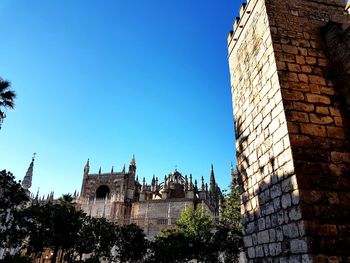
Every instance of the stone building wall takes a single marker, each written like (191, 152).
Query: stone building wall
(156, 215)
(292, 129)
(115, 182)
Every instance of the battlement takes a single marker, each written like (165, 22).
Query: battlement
(240, 21)
(247, 8)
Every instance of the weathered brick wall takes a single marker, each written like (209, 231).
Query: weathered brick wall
(292, 130)
(316, 109)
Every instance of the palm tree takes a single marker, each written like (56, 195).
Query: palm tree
(66, 200)
(7, 97)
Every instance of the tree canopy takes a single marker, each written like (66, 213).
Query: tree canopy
(12, 197)
(7, 98)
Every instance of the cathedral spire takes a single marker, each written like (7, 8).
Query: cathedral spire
(132, 166)
(112, 171)
(87, 167)
(191, 184)
(212, 180)
(202, 185)
(165, 187)
(27, 180)
(234, 175)
(133, 161)
(143, 188)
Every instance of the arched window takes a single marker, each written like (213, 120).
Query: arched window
(102, 191)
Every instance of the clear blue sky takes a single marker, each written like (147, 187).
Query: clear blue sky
(107, 79)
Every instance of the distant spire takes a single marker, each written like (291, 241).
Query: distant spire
(165, 183)
(112, 171)
(27, 180)
(156, 185)
(123, 171)
(234, 175)
(212, 179)
(202, 185)
(191, 184)
(87, 167)
(133, 161)
(36, 199)
(99, 171)
(143, 188)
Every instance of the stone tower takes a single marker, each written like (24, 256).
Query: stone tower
(290, 76)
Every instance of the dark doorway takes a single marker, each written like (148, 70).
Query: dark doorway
(102, 191)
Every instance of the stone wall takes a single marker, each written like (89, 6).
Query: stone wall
(156, 215)
(292, 130)
(115, 182)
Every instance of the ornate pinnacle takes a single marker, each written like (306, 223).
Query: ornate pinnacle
(186, 183)
(191, 184)
(133, 160)
(27, 180)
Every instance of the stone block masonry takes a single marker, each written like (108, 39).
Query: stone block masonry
(290, 77)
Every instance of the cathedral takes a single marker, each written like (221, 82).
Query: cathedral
(121, 198)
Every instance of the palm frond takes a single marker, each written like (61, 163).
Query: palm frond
(4, 85)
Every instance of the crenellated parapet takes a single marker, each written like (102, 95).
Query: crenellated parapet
(240, 22)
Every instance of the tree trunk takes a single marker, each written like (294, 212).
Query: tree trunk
(61, 255)
(54, 255)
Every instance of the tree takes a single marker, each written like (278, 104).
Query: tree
(191, 239)
(130, 245)
(86, 242)
(7, 97)
(37, 220)
(105, 236)
(53, 226)
(228, 236)
(12, 196)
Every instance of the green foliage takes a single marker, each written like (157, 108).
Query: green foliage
(231, 210)
(51, 226)
(85, 243)
(171, 246)
(130, 245)
(15, 259)
(105, 236)
(7, 97)
(191, 239)
(12, 197)
(197, 237)
(229, 229)
(195, 223)
(60, 227)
